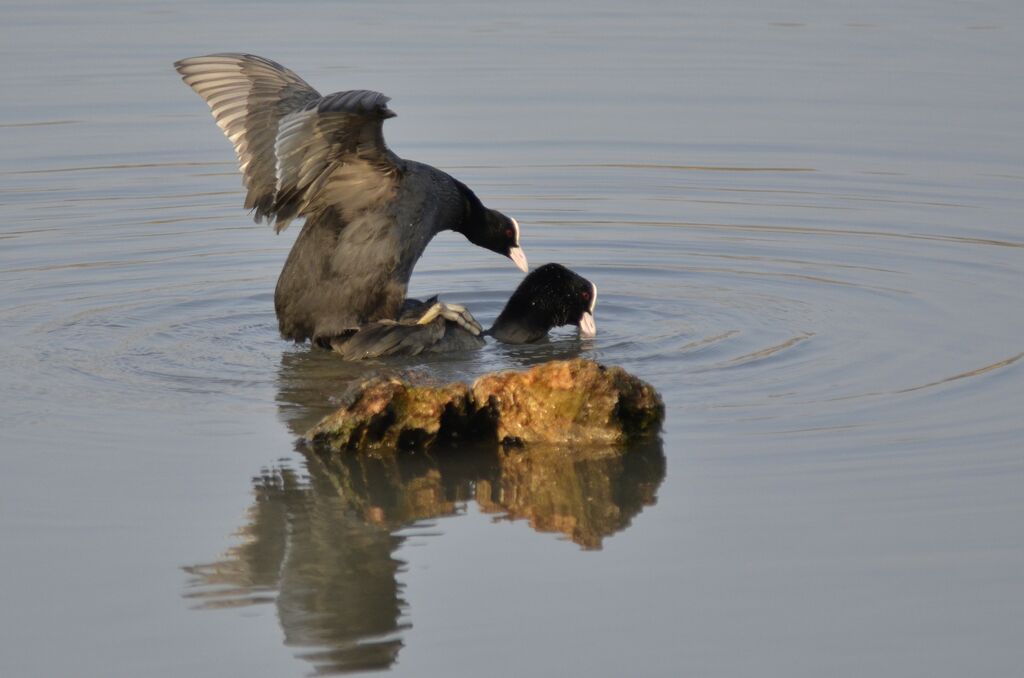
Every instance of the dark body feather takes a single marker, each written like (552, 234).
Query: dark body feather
(369, 214)
(550, 296)
(344, 273)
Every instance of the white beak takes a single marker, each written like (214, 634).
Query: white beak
(519, 259)
(588, 328)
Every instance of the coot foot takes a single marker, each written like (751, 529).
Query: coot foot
(453, 312)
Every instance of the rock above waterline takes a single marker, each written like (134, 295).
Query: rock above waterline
(568, 401)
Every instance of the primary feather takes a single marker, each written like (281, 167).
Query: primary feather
(368, 213)
(299, 152)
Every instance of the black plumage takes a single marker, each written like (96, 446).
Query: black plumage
(550, 296)
(369, 214)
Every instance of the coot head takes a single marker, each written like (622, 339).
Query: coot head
(549, 297)
(489, 228)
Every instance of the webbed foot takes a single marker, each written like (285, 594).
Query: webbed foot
(453, 312)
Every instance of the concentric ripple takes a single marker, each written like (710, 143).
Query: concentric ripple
(819, 316)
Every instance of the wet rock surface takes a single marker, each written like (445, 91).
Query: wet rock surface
(577, 402)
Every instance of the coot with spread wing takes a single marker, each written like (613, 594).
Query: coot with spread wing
(369, 213)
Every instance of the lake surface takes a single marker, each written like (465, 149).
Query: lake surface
(807, 227)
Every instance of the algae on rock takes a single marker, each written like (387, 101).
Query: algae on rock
(569, 401)
(578, 402)
(389, 414)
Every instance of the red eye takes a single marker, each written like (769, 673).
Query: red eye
(586, 296)
(509, 233)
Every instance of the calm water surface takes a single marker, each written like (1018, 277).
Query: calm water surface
(806, 226)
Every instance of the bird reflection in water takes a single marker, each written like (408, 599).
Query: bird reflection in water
(320, 544)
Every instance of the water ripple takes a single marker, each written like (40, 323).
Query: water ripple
(807, 313)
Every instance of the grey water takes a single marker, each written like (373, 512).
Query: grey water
(806, 222)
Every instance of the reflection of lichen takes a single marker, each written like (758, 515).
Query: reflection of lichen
(585, 493)
(321, 547)
(586, 496)
(576, 402)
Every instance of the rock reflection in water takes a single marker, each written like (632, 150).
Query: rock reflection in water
(321, 547)
(586, 495)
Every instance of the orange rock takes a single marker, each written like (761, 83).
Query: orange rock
(579, 402)
(569, 401)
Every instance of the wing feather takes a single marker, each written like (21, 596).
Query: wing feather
(298, 152)
(248, 95)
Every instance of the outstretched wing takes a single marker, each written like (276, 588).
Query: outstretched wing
(298, 152)
(332, 154)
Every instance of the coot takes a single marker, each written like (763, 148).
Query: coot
(549, 297)
(369, 213)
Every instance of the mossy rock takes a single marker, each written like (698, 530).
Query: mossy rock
(577, 402)
(569, 401)
(389, 414)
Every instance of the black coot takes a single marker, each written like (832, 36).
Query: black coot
(369, 214)
(549, 297)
